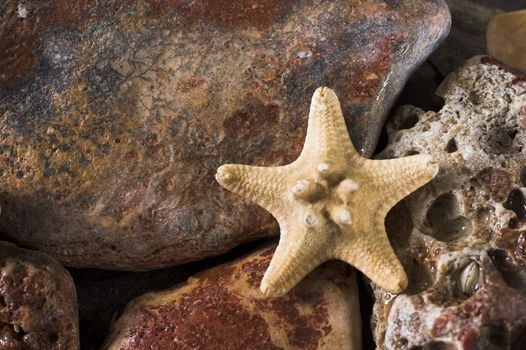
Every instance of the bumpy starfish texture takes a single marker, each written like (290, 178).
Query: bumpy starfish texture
(330, 203)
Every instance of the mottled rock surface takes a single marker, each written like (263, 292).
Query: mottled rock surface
(223, 308)
(38, 303)
(462, 237)
(506, 35)
(115, 115)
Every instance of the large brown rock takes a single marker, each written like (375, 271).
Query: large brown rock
(462, 238)
(223, 308)
(38, 303)
(115, 115)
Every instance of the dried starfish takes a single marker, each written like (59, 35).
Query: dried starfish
(330, 203)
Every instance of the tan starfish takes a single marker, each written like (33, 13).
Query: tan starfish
(330, 203)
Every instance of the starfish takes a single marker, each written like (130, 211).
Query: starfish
(330, 203)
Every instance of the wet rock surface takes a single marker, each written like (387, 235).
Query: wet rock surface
(115, 115)
(461, 238)
(38, 303)
(223, 308)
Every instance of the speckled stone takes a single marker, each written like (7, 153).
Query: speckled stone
(461, 238)
(222, 308)
(505, 38)
(38, 303)
(115, 115)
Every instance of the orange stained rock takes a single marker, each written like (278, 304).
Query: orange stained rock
(330, 203)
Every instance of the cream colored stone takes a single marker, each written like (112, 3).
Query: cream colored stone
(506, 38)
(462, 237)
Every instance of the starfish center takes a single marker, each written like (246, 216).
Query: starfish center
(325, 198)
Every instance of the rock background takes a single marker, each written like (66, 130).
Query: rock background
(103, 294)
(469, 19)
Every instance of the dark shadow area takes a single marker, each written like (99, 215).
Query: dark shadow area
(512, 274)
(420, 89)
(366, 310)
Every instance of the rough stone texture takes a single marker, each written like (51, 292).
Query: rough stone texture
(222, 308)
(116, 114)
(38, 303)
(505, 38)
(462, 237)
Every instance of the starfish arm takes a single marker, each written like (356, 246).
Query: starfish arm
(263, 185)
(326, 132)
(373, 255)
(293, 259)
(397, 178)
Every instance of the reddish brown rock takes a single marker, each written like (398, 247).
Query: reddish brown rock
(222, 308)
(462, 237)
(38, 303)
(115, 115)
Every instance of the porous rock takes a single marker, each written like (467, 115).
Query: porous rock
(115, 115)
(38, 302)
(462, 237)
(223, 308)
